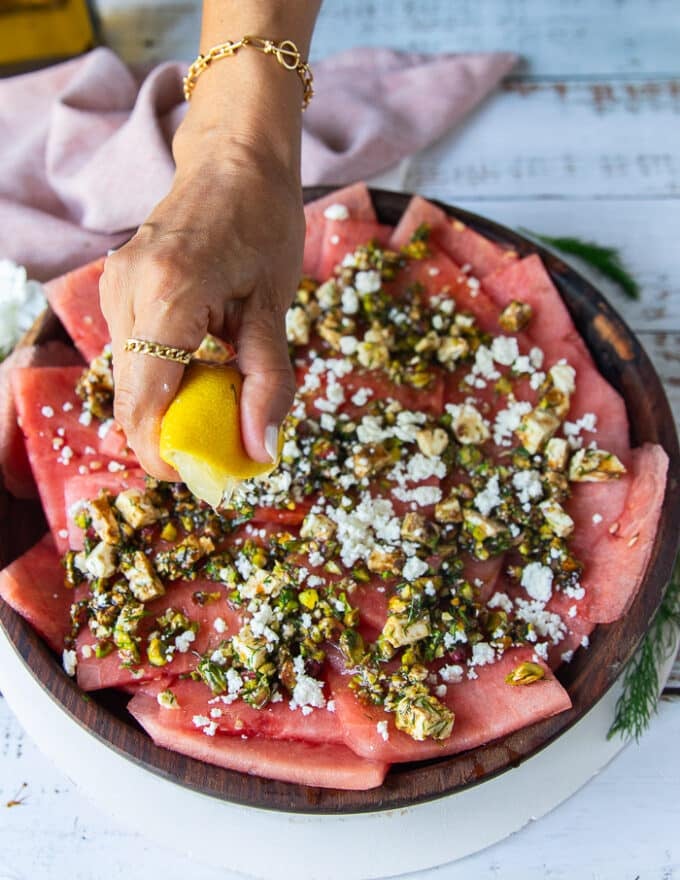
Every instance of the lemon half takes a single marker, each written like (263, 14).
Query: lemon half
(201, 435)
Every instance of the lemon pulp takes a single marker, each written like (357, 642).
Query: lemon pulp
(201, 435)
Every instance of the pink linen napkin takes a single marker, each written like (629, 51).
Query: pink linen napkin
(85, 145)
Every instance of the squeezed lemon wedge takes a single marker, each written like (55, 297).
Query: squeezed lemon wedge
(201, 435)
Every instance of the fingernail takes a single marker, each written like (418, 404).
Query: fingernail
(271, 441)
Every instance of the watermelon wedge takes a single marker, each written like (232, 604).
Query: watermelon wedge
(463, 245)
(355, 198)
(341, 237)
(322, 765)
(14, 464)
(74, 298)
(33, 585)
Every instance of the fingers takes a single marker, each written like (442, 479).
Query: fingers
(141, 302)
(269, 382)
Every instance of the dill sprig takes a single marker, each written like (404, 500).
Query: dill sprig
(606, 260)
(637, 704)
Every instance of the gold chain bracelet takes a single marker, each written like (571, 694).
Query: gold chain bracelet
(285, 52)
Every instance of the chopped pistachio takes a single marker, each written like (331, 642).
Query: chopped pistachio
(594, 466)
(370, 460)
(481, 527)
(448, 510)
(452, 349)
(399, 630)
(525, 673)
(515, 316)
(168, 699)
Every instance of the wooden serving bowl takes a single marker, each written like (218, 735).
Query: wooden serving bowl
(623, 362)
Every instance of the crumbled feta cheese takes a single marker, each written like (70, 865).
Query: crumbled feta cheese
(350, 301)
(381, 727)
(502, 601)
(219, 625)
(336, 211)
(528, 485)
(451, 674)
(69, 660)
(504, 350)
(482, 654)
(368, 282)
(489, 498)
(597, 518)
(414, 568)
(537, 580)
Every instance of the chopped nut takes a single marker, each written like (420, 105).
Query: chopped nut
(557, 454)
(385, 561)
(297, 326)
(448, 510)
(330, 329)
(328, 295)
(452, 349)
(536, 429)
(141, 575)
(262, 583)
(103, 518)
(416, 528)
(373, 355)
(595, 466)
(429, 342)
(370, 460)
(525, 673)
(481, 527)
(556, 401)
(399, 631)
(469, 426)
(557, 518)
(318, 527)
(432, 441)
(137, 508)
(515, 316)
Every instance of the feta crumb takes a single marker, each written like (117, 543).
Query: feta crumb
(381, 727)
(69, 661)
(219, 625)
(597, 518)
(451, 674)
(336, 212)
(537, 580)
(368, 281)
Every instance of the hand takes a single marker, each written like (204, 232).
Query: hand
(221, 253)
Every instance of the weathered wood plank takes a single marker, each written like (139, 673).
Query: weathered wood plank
(575, 140)
(555, 39)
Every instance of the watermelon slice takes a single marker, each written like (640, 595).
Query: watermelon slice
(275, 721)
(33, 585)
(616, 563)
(486, 708)
(463, 245)
(356, 198)
(14, 464)
(74, 298)
(58, 444)
(321, 765)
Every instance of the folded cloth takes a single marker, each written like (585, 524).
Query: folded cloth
(85, 145)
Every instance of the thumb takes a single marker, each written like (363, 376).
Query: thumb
(269, 381)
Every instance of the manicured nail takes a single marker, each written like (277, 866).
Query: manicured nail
(271, 441)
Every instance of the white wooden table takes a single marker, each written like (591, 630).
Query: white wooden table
(584, 141)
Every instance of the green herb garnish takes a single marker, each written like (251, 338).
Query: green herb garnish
(637, 704)
(606, 260)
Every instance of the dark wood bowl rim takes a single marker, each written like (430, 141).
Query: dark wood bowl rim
(623, 362)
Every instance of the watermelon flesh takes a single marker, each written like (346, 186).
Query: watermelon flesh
(341, 237)
(74, 298)
(355, 198)
(463, 245)
(33, 585)
(14, 464)
(322, 765)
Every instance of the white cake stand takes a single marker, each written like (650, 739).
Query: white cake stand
(257, 842)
